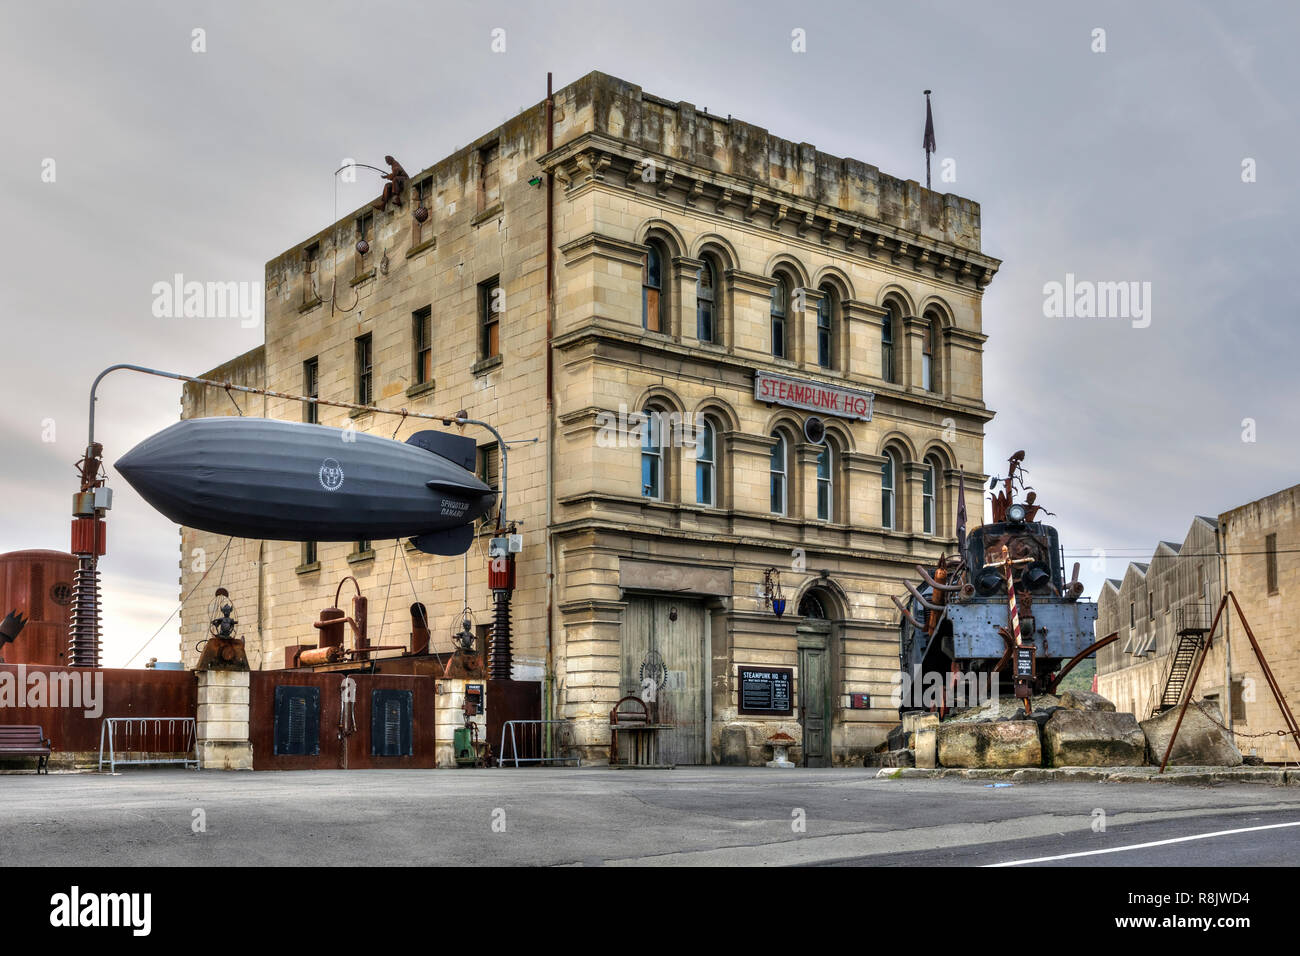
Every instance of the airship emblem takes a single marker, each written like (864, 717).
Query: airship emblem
(331, 475)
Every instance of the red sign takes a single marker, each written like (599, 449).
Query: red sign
(813, 396)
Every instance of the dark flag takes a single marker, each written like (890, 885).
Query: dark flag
(961, 513)
(928, 142)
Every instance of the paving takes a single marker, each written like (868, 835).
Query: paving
(598, 816)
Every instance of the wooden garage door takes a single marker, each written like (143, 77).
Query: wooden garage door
(655, 644)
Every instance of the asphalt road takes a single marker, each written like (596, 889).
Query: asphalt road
(597, 816)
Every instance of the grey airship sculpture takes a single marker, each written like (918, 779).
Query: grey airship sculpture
(288, 481)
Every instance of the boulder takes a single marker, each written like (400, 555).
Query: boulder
(1202, 741)
(1012, 743)
(1004, 707)
(1085, 700)
(1093, 738)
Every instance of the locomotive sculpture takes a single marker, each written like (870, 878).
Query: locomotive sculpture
(1000, 609)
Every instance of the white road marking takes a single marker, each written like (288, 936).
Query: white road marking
(1143, 846)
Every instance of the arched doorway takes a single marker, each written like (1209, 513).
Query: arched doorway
(813, 633)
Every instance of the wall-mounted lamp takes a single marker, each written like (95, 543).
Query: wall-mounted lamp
(772, 596)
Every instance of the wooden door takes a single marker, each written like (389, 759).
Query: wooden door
(813, 706)
(669, 655)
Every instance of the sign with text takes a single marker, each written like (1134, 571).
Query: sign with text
(766, 691)
(813, 396)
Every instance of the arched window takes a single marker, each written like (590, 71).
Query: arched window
(706, 464)
(929, 510)
(888, 509)
(778, 474)
(652, 455)
(706, 312)
(653, 302)
(825, 484)
(825, 328)
(780, 306)
(811, 606)
(930, 355)
(888, 369)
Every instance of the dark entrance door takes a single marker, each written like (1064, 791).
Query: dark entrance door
(814, 706)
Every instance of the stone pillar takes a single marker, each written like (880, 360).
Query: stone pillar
(685, 274)
(748, 316)
(862, 481)
(804, 459)
(912, 344)
(222, 720)
(807, 354)
(862, 327)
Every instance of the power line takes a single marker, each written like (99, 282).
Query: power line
(181, 605)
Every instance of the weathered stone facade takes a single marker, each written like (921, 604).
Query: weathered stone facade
(675, 567)
(1233, 552)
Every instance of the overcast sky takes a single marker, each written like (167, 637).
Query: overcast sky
(1123, 165)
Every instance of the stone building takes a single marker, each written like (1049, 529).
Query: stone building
(724, 282)
(1248, 550)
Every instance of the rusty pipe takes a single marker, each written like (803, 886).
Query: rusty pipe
(935, 584)
(906, 613)
(929, 606)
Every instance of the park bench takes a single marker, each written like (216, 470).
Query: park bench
(22, 740)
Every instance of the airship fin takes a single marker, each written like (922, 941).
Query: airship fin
(458, 449)
(451, 542)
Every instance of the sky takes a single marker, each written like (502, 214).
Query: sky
(1159, 151)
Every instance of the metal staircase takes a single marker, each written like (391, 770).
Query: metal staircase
(1192, 624)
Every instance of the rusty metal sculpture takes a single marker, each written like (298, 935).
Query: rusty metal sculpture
(10, 628)
(396, 185)
(223, 651)
(1002, 598)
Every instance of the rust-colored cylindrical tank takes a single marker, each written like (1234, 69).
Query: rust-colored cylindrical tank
(39, 585)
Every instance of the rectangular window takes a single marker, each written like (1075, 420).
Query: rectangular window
(778, 336)
(421, 198)
(309, 552)
(927, 500)
(489, 176)
(490, 305)
(365, 225)
(1270, 562)
(365, 371)
(489, 466)
(824, 331)
(311, 388)
(1238, 701)
(422, 334)
(362, 546)
(652, 457)
(311, 262)
(1151, 605)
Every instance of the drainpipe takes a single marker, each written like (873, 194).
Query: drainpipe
(548, 685)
